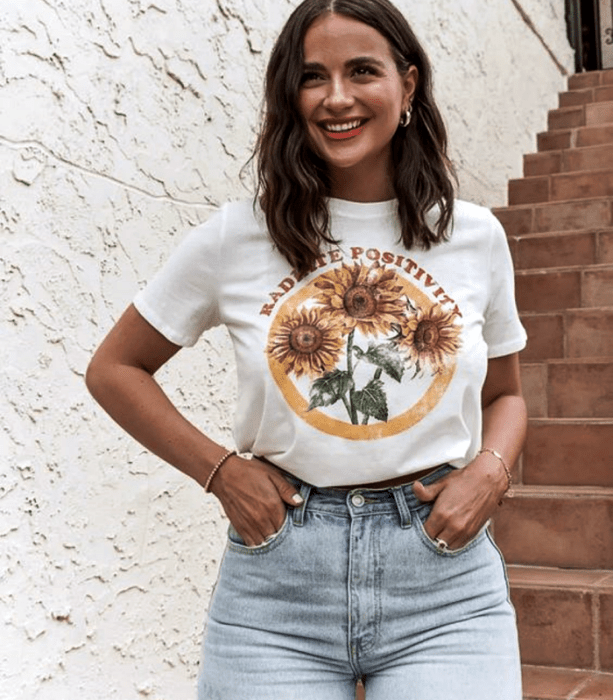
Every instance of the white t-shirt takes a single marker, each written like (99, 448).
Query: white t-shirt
(368, 368)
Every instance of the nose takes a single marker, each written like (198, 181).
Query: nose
(338, 96)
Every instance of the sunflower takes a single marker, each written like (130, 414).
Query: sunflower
(431, 337)
(367, 298)
(307, 342)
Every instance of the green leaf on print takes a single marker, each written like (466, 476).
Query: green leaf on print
(371, 400)
(386, 355)
(330, 388)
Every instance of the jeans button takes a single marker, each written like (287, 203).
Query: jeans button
(357, 499)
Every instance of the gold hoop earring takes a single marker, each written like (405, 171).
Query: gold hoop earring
(405, 119)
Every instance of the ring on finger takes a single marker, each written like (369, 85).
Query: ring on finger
(441, 545)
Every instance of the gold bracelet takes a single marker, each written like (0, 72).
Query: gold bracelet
(216, 468)
(507, 471)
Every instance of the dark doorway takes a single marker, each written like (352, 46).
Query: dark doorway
(583, 25)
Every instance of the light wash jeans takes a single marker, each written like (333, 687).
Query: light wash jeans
(352, 587)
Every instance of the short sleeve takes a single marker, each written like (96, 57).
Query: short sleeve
(503, 331)
(181, 301)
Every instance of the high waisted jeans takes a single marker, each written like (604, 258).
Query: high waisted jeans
(352, 587)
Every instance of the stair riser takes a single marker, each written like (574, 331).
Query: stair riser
(581, 81)
(583, 390)
(545, 337)
(580, 185)
(570, 160)
(566, 118)
(582, 137)
(557, 216)
(595, 114)
(548, 291)
(568, 289)
(568, 455)
(542, 251)
(573, 335)
(568, 389)
(556, 627)
(575, 98)
(572, 532)
(561, 187)
(562, 250)
(589, 335)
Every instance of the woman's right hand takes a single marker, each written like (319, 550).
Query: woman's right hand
(254, 496)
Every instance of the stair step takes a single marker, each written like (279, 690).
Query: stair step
(579, 215)
(560, 616)
(557, 526)
(595, 114)
(568, 452)
(579, 81)
(568, 388)
(546, 683)
(569, 160)
(562, 249)
(572, 333)
(574, 98)
(561, 187)
(558, 288)
(580, 137)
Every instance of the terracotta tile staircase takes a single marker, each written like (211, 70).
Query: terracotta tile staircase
(557, 531)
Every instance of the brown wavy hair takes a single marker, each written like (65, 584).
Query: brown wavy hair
(292, 180)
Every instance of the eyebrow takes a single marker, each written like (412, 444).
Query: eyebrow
(351, 63)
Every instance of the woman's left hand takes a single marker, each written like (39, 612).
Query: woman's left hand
(464, 500)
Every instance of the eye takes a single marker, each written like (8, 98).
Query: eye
(310, 78)
(365, 72)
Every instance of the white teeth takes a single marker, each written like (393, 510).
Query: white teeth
(343, 127)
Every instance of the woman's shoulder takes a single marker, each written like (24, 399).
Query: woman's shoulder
(474, 224)
(470, 214)
(241, 213)
(229, 223)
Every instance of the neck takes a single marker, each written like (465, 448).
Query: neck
(362, 184)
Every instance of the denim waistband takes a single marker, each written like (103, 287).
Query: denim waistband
(362, 501)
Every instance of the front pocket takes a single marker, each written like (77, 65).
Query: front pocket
(237, 544)
(431, 544)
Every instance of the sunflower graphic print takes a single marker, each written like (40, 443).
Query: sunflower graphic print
(361, 352)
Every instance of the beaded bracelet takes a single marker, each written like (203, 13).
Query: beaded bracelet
(507, 471)
(216, 468)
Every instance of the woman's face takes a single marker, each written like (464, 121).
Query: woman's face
(351, 98)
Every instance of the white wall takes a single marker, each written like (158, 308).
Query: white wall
(122, 123)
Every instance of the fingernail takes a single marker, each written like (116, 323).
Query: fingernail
(297, 499)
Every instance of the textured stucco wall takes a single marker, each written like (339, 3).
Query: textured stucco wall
(122, 123)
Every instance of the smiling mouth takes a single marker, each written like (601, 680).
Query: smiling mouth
(344, 127)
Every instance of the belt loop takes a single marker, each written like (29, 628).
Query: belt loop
(298, 514)
(403, 508)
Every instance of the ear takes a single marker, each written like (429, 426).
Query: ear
(409, 85)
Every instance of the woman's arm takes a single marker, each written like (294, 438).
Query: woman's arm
(466, 498)
(120, 378)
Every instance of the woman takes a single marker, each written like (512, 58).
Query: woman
(376, 340)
